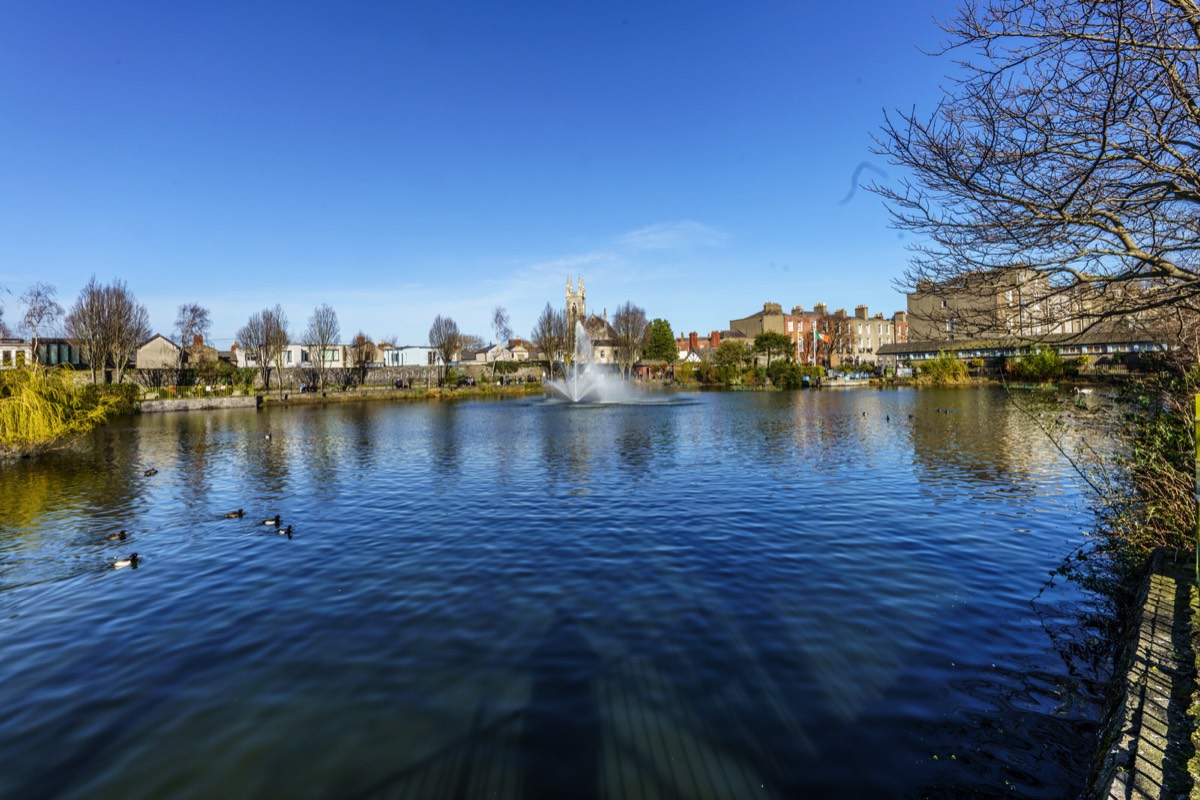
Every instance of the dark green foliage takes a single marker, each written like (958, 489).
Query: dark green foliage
(660, 344)
(786, 375)
(770, 343)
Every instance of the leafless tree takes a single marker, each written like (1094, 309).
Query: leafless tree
(4, 331)
(471, 341)
(549, 335)
(191, 321)
(129, 327)
(264, 338)
(108, 325)
(362, 353)
(85, 325)
(502, 329)
(320, 337)
(1069, 146)
(501, 326)
(275, 324)
(445, 339)
(42, 312)
(630, 326)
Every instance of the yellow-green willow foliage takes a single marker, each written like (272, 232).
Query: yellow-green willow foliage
(40, 407)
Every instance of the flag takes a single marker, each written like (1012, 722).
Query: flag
(817, 335)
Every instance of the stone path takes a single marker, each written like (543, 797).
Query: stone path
(1150, 731)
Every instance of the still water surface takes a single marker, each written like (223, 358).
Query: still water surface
(725, 595)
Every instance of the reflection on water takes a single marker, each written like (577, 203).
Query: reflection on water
(805, 594)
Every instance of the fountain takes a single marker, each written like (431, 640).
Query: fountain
(586, 382)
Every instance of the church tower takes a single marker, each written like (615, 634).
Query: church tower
(576, 305)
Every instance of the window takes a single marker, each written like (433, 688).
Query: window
(289, 357)
(950, 325)
(943, 304)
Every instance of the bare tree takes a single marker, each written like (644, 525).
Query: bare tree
(264, 339)
(502, 329)
(444, 338)
(501, 326)
(362, 353)
(42, 312)
(549, 335)
(108, 325)
(471, 341)
(275, 327)
(630, 326)
(1068, 148)
(191, 321)
(129, 327)
(320, 337)
(85, 325)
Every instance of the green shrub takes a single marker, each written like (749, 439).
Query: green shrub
(1043, 364)
(943, 370)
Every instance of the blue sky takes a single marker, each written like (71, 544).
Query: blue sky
(403, 160)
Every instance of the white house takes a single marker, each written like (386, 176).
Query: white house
(15, 352)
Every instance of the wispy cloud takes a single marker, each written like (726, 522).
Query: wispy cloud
(684, 234)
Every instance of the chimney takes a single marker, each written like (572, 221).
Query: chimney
(860, 312)
(693, 341)
(820, 309)
(198, 340)
(714, 339)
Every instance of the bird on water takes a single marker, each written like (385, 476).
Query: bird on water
(150, 473)
(118, 536)
(132, 561)
(235, 514)
(273, 521)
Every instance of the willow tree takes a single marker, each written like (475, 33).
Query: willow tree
(42, 312)
(1068, 147)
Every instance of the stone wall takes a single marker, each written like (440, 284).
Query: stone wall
(198, 404)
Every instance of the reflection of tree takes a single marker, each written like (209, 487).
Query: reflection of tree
(446, 446)
(96, 477)
(974, 437)
(566, 454)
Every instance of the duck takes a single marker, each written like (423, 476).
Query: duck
(273, 521)
(132, 561)
(118, 536)
(150, 473)
(235, 514)
(287, 530)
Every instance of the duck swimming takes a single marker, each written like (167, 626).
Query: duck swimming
(113, 537)
(150, 473)
(132, 561)
(273, 521)
(287, 530)
(235, 514)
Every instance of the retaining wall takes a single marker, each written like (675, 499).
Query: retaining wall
(198, 404)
